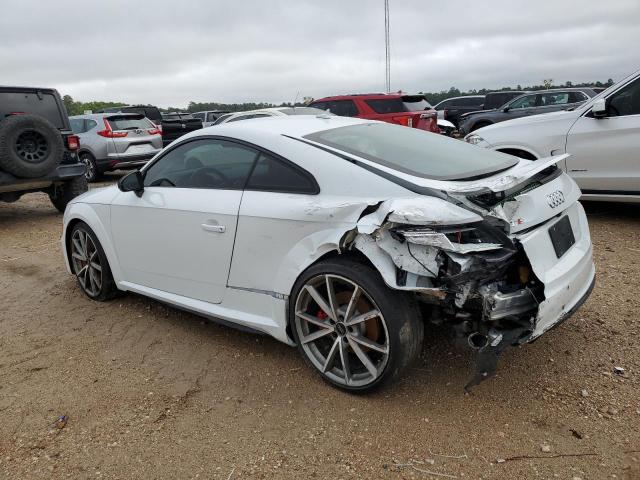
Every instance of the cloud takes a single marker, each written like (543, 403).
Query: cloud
(169, 52)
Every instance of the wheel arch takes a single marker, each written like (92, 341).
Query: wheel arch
(85, 213)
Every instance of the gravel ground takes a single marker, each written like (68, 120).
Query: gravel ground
(152, 392)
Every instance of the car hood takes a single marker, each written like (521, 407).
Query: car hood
(533, 119)
(476, 112)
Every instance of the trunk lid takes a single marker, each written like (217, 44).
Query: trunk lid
(526, 195)
(133, 134)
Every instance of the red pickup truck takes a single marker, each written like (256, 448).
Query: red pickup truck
(408, 110)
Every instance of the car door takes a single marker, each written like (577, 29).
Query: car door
(274, 216)
(604, 151)
(91, 141)
(178, 235)
(521, 107)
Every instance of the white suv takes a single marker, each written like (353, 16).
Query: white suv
(602, 137)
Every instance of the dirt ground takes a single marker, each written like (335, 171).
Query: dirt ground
(153, 392)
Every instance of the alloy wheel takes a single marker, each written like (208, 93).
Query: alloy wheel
(32, 146)
(90, 172)
(86, 262)
(341, 330)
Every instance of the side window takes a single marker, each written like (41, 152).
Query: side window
(222, 118)
(527, 101)
(77, 125)
(445, 104)
(626, 101)
(556, 98)
(343, 108)
(198, 115)
(205, 163)
(211, 117)
(469, 102)
(240, 117)
(275, 175)
(575, 97)
(90, 124)
(320, 105)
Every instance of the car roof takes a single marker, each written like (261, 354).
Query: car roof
(288, 125)
(369, 96)
(106, 114)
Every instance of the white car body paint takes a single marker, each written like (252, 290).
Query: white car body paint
(603, 151)
(156, 244)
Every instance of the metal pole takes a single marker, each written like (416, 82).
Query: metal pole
(387, 47)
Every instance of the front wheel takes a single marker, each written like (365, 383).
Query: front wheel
(89, 264)
(352, 329)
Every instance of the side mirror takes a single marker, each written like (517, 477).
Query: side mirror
(132, 182)
(505, 109)
(599, 108)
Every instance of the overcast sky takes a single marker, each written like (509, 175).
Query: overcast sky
(168, 52)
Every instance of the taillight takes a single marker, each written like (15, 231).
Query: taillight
(73, 142)
(155, 131)
(428, 115)
(404, 120)
(109, 133)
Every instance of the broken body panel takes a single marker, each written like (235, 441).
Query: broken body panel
(487, 266)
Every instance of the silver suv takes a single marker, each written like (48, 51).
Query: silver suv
(112, 141)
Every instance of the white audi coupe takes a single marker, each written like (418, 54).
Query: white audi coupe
(342, 236)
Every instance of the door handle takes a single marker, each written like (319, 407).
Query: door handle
(213, 228)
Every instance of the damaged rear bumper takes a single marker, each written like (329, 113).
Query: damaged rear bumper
(493, 288)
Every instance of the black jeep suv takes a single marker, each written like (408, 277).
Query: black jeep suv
(37, 147)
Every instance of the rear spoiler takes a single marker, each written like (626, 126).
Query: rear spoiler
(121, 116)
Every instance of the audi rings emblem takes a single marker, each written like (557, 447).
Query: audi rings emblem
(555, 199)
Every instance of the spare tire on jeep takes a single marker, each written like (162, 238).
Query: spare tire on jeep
(30, 146)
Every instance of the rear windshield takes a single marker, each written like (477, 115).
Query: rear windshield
(408, 103)
(414, 151)
(303, 111)
(129, 123)
(495, 100)
(150, 112)
(39, 103)
(415, 103)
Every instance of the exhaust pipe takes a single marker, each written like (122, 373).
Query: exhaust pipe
(477, 340)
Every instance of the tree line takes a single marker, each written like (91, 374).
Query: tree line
(77, 108)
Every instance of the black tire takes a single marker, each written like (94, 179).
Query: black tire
(400, 317)
(61, 195)
(30, 146)
(478, 125)
(107, 288)
(92, 173)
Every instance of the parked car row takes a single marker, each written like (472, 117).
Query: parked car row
(601, 136)
(533, 103)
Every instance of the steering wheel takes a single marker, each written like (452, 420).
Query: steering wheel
(197, 177)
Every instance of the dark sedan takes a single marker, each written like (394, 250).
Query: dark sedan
(533, 103)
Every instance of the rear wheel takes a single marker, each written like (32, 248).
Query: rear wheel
(351, 328)
(61, 195)
(91, 173)
(89, 264)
